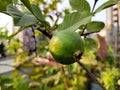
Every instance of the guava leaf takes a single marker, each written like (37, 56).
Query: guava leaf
(106, 5)
(90, 44)
(74, 20)
(15, 73)
(102, 51)
(20, 18)
(15, 1)
(3, 4)
(95, 26)
(35, 10)
(27, 4)
(80, 5)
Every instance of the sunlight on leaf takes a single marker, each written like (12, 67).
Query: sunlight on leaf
(80, 5)
(3, 4)
(95, 26)
(21, 57)
(106, 5)
(74, 20)
(35, 10)
(20, 18)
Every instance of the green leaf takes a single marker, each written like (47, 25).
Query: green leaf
(35, 10)
(90, 44)
(28, 64)
(27, 4)
(15, 1)
(74, 20)
(15, 73)
(106, 5)
(20, 18)
(3, 4)
(22, 86)
(6, 83)
(21, 57)
(58, 87)
(80, 5)
(95, 26)
(36, 73)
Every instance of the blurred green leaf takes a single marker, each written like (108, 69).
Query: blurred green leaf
(22, 86)
(19, 83)
(5, 83)
(109, 79)
(28, 65)
(21, 19)
(15, 73)
(90, 44)
(58, 87)
(118, 82)
(15, 1)
(3, 4)
(80, 5)
(27, 4)
(74, 20)
(4, 34)
(106, 5)
(13, 46)
(95, 26)
(36, 73)
(35, 10)
(21, 57)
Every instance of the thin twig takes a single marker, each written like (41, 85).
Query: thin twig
(94, 5)
(83, 30)
(93, 77)
(34, 41)
(85, 34)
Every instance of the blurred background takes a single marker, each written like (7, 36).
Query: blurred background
(17, 43)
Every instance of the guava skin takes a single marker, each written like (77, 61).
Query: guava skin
(63, 46)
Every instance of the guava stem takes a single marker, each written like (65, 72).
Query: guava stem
(90, 74)
(94, 5)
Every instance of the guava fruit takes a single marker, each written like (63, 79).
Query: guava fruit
(64, 44)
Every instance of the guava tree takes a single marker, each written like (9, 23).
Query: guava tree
(73, 63)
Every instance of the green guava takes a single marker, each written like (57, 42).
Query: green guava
(64, 44)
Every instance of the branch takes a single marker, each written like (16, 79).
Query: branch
(85, 34)
(35, 50)
(93, 77)
(83, 30)
(94, 5)
(42, 29)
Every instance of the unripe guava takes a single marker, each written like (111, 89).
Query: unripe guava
(64, 44)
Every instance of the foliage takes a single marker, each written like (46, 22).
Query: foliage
(4, 4)
(39, 71)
